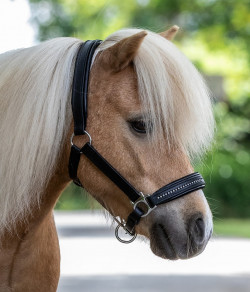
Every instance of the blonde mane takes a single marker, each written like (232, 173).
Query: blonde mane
(34, 118)
(35, 111)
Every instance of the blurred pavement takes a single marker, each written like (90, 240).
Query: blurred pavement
(92, 260)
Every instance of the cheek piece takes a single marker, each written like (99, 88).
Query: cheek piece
(142, 204)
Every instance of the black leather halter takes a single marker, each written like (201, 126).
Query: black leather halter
(142, 204)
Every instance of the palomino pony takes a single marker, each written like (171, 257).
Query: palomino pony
(149, 113)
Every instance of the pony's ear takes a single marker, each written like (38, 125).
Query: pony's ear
(120, 55)
(170, 33)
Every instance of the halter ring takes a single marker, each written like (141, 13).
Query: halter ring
(85, 132)
(123, 224)
(122, 240)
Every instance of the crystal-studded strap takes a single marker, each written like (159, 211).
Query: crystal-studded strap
(177, 188)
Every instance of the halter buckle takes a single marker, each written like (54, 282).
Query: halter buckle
(143, 201)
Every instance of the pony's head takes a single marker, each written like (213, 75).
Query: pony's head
(148, 113)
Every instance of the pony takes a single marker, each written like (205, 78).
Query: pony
(149, 114)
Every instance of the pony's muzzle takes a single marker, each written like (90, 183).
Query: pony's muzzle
(176, 238)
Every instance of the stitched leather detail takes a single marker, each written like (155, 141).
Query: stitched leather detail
(80, 85)
(177, 188)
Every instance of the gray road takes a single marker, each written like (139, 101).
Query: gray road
(93, 260)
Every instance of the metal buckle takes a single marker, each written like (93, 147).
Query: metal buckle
(143, 200)
(123, 225)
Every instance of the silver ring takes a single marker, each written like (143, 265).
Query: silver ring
(122, 240)
(85, 132)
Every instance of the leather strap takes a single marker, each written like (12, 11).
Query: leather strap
(133, 219)
(102, 164)
(80, 85)
(176, 189)
(75, 155)
(79, 100)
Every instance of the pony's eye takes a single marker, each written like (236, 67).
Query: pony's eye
(139, 126)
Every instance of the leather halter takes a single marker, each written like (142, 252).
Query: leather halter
(142, 204)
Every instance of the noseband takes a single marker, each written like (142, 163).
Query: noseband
(142, 204)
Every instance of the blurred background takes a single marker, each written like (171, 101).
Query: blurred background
(214, 34)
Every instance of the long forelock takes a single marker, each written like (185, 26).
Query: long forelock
(172, 92)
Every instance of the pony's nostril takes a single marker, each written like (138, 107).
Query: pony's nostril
(197, 230)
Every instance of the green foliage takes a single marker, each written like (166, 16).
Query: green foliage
(227, 183)
(232, 227)
(227, 167)
(217, 21)
(215, 35)
(84, 19)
